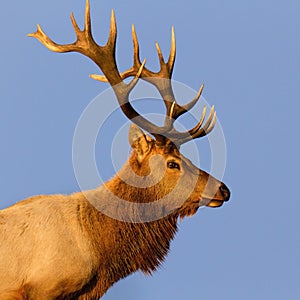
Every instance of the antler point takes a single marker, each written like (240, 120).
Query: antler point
(98, 77)
(31, 34)
(113, 16)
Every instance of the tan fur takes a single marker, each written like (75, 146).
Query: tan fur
(62, 247)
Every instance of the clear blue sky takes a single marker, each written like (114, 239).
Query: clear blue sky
(248, 55)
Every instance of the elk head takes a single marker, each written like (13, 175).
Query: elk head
(158, 156)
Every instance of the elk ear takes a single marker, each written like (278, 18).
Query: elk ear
(139, 141)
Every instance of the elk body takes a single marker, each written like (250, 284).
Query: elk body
(65, 247)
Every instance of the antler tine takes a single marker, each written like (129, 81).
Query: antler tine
(160, 56)
(192, 103)
(185, 108)
(74, 23)
(207, 128)
(197, 127)
(87, 19)
(111, 43)
(112, 31)
(172, 55)
(199, 131)
(136, 47)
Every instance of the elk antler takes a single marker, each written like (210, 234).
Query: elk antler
(104, 57)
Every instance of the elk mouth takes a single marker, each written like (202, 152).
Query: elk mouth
(222, 195)
(215, 203)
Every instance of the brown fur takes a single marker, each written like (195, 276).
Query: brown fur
(62, 247)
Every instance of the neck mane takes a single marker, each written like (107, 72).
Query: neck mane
(140, 245)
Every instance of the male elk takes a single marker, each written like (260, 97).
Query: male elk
(62, 247)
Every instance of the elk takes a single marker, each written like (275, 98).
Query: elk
(64, 246)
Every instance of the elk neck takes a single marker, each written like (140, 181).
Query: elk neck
(128, 247)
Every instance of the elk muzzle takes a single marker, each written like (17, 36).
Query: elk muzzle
(222, 195)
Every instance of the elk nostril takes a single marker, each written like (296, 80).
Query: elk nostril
(225, 192)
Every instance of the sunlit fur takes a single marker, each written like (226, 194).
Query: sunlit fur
(62, 247)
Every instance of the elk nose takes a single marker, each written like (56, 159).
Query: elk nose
(225, 191)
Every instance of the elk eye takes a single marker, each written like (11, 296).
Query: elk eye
(173, 165)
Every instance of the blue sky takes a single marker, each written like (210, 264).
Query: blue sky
(248, 55)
